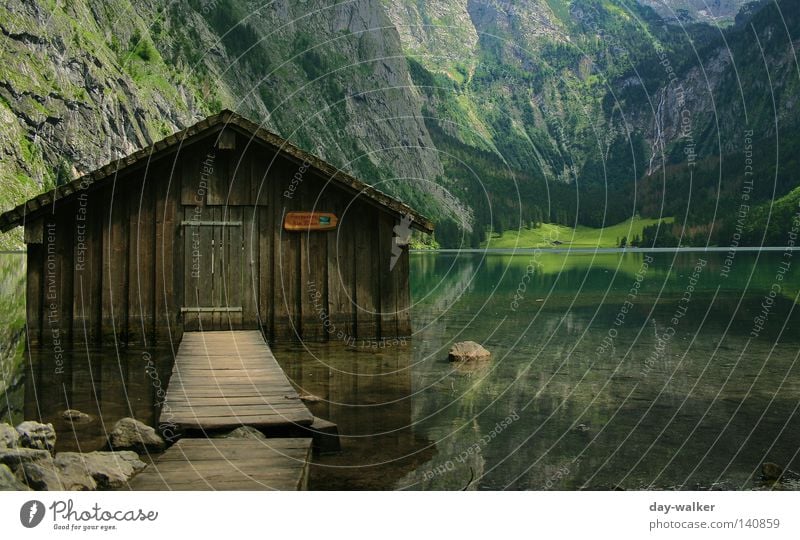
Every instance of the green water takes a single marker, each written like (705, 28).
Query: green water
(562, 405)
(12, 335)
(584, 390)
(40, 384)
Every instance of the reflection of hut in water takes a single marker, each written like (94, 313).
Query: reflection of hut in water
(221, 226)
(368, 393)
(104, 384)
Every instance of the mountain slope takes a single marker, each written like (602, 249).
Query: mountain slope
(482, 113)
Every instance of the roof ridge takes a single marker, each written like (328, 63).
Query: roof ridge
(17, 215)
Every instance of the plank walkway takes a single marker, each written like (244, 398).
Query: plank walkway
(223, 380)
(228, 465)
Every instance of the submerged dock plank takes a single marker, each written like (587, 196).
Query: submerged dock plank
(228, 465)
(225, 380)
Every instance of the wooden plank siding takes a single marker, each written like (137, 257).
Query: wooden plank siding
(88, 270)
(34, 291)
(117, 259)
(367, 275)
(341, 255)
(286, 258)
(313, 268)
(167, 252)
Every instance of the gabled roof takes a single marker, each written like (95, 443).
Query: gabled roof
(226, 118)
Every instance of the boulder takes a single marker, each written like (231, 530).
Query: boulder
(130, 434)
(9, 482)
(243, 432)
(771, 471)
(36, 435)
(581, 428)
(9, 438)
(310, 398)
(75, 416)
(50, 476)
(14, 457)
(109, 470)
(465, 351)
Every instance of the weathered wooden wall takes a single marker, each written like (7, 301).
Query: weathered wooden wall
(102, 265)
(116, 261)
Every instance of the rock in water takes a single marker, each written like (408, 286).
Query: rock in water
(130, 434)
(771, 471)
(774, 472)
(36, 435)
(75, 416)
(9, 437)
(244, 432)
(109, 470)
(468, 350)
(9, 482)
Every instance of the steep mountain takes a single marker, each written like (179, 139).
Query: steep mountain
(711, 11)
(478, 112)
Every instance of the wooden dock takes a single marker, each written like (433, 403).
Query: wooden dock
(226, 379)
(228, 465)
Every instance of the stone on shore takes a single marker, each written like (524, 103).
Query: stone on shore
(36, 435)
(131, 434)
(243, 432)
(50, 476)
(9, 482)
(465, 351)
(13, 458)
(109, 470)
(9, 438)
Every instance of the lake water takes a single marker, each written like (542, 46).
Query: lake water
(612, 370)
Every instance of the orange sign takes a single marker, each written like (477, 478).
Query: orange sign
(310, 221)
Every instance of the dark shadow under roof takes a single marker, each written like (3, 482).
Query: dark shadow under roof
(43, 202)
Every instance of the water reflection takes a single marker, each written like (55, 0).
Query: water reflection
(588, 387)
(369, 393)
(103, 383)
(12, 336)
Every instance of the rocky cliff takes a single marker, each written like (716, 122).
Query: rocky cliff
(472, 110)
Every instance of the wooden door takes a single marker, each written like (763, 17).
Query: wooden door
(213, 270)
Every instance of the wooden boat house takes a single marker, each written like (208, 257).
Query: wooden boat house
(223, 225)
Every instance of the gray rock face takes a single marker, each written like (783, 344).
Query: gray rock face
(14, 457)
(9, 482)
(50, 476)
(244, 432)
(109, 470)
(465, 351)
(68, 471)
(131, 434)
(35, 435)
(9, 437)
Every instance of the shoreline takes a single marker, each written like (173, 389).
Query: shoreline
(584, 250)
